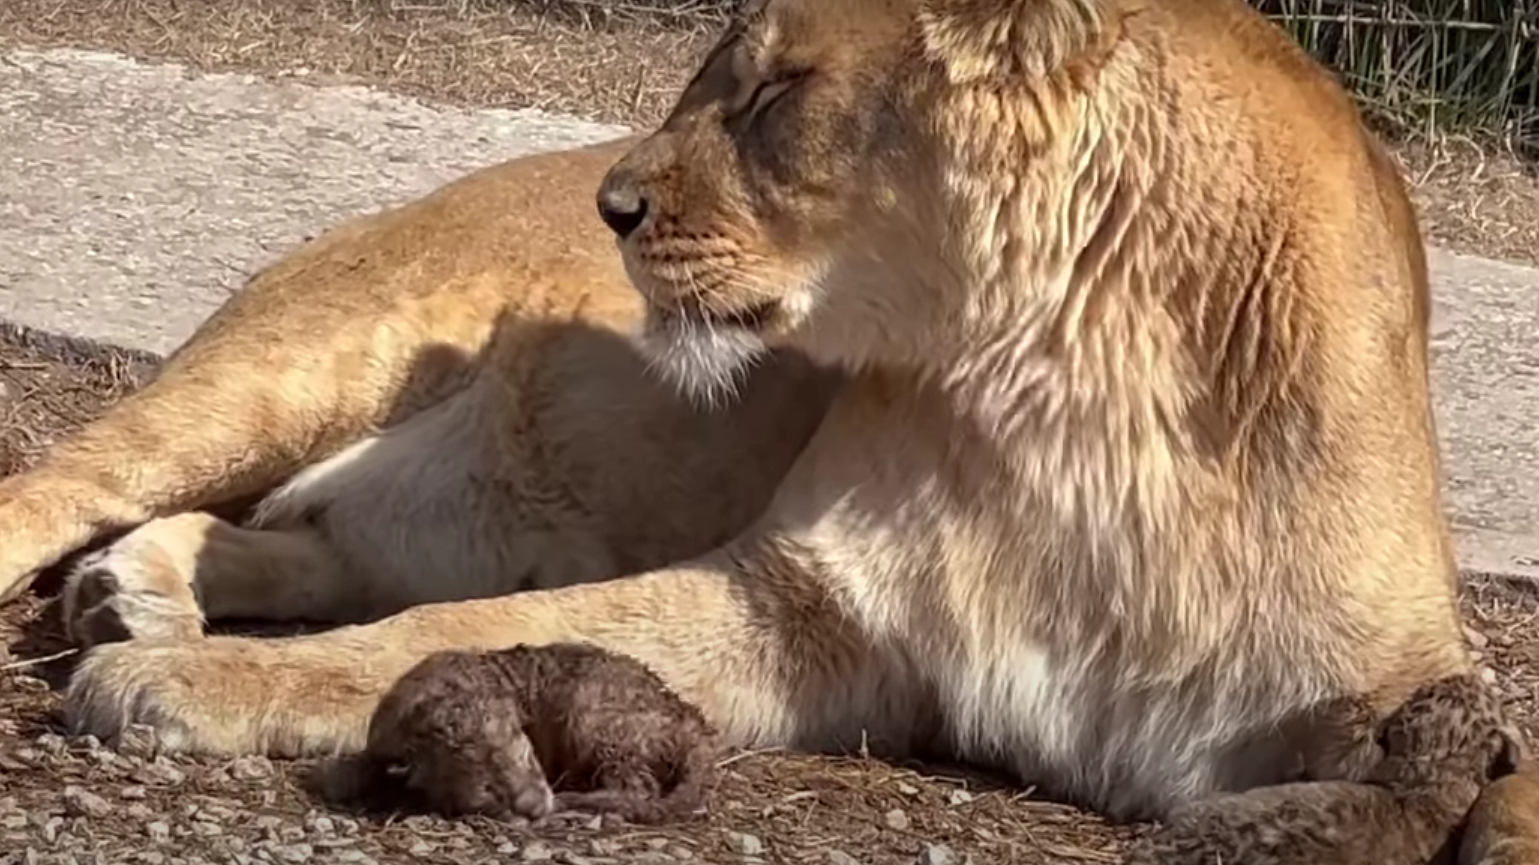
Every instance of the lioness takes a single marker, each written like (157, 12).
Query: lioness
(1130, 462)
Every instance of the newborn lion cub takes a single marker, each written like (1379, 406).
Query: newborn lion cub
(490, 732)
(1446, 742)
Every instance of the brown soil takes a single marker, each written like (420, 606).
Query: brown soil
(71, 801)
(614, 60)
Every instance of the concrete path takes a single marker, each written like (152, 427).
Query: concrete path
(134, 199)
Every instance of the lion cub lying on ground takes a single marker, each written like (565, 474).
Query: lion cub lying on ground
(492, 732)
(1445, 743)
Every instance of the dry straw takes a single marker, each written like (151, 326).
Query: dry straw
(1430, 65)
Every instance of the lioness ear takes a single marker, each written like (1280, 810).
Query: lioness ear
(1009, 41)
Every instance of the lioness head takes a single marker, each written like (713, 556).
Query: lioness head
(825, 180)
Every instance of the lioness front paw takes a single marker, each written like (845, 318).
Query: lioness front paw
(232, 695)
(128, 592)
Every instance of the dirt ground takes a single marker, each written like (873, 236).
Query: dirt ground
(72, 801)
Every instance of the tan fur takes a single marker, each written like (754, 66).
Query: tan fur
(1503, 826)
(1132, 467)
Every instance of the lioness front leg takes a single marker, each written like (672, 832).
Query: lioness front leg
(765, 651)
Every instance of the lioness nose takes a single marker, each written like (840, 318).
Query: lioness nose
(621, 204)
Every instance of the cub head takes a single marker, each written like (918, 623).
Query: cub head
(1453, 729)
(812, 182)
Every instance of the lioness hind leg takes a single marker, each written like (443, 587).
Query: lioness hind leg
(169, 576)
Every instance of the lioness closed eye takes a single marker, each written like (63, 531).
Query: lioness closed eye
(1124, 458)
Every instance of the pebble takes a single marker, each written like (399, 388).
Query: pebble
(294, 852)
(839, 857)
(83, 803)
(251, 768)
(52, 743)
(744, 843)
(937, 854)
(960, 797)
(896, 819)
(321, 825)
(536, 851)
(159, 773)
(158, 831)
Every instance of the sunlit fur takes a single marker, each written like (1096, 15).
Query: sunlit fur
(1132, 463)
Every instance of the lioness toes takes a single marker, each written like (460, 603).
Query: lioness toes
(1124, 460)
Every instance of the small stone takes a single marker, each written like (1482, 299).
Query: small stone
(206, 829)
(1477, 640)
(896, 819)
(158, 831)
(294, 853)
(139, 811)
(907, 789)
(421, 848)
(150, 857)
(321, 826)
(251, 768)
(960, 797)
(839, 857)
(536, 851)
(1488, 675)
(603, 846)
(52, 743)
(159, 773)
(50, 830)
(83, 803)
(138, 741)
(937, 854)
(744, 843)
(683, 854)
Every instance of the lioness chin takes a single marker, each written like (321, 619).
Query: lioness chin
(1130, 466)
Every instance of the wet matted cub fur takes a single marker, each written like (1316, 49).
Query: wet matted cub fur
(1130, 461)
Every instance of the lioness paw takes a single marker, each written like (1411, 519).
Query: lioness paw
(128, 591)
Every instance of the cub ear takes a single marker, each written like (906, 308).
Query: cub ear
(1009, 41)
(1510, 755)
